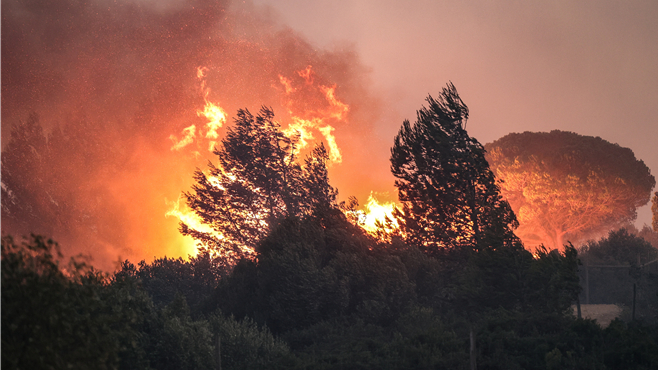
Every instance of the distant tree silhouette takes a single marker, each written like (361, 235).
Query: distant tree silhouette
(565, 186)
(449, 195)
(26, 205)
(256, 182)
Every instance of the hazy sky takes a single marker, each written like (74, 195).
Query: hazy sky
(590, 67)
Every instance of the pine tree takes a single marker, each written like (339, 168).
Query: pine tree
(257, 182)
(449, 196)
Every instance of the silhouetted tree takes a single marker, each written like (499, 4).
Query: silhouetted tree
(449, 195)
(563, 185)
(256, 182)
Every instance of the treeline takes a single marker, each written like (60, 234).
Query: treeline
(622, 269)
(295, 282)
(323, 294)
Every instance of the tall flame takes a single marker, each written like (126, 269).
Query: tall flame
(318, 118)
(215, 115)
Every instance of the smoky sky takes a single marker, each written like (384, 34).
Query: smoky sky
(587, 66)
(114, 80)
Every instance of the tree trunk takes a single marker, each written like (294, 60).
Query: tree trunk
(559, 240)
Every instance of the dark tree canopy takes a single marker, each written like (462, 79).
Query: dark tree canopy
(257, 182)
(449, 195)
(566, 186)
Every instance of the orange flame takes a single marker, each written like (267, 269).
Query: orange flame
(188, 217)
(303, 128)
(374, 218)
(378, 214)
(339, 109)
(188, 137)
(215, 115)
(307, 75)
(287, 84)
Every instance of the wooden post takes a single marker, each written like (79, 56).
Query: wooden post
(472, 351)
(586, 283)
(634, 293)
(219, 353)
(580, 316)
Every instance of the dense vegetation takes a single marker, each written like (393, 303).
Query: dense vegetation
(322, 295)
(452, 289)
(621, 269)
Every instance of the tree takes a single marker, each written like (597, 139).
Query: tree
(25, 198)
(449, 195)
(257, 182)
(566, 186)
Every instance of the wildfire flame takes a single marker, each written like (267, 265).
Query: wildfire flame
(187, 216)
(375, 218)
(318, 118)
(378, 214)
(215, 115)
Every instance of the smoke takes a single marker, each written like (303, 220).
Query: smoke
(112, 81)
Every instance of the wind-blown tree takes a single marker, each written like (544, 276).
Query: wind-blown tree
(257, 182)
(449, 195)
(566, 186)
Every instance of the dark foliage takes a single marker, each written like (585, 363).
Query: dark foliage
(616, 265)
(449, 196)
(59, 318)
(317, 268)
(165, 278)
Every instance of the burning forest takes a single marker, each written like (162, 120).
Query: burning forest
(180, 190)
(108, 109)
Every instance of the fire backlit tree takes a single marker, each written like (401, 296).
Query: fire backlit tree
(448, 193)
(257, 182)
(564, 186)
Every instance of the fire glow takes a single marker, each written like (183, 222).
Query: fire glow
(123, 123)
(374, 217)
(377, 215)
(213, 113)
(303, 127)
